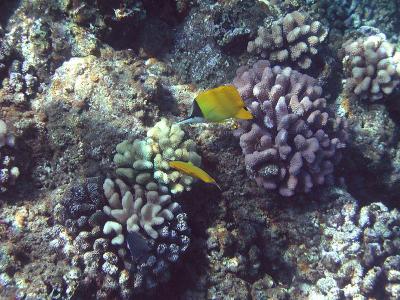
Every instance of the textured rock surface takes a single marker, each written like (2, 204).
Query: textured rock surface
(88, 96)
(293, 39)
(201, 49)
(293, 142)
(347, 15)
(373, 148)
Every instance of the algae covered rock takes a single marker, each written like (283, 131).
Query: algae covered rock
(144, 160)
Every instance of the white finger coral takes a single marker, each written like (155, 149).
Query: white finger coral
(144, 160)
(140, 212)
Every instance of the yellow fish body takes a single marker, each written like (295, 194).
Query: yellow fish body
(217, 105)
(191, 170)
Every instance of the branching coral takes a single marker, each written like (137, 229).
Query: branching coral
(130, 246)
(145, 159)
(372, 67)
(293, 38)
(293, 142)
(145, 209)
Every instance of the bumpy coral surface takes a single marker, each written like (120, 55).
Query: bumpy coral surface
(125, 244)
(293, 142)
(292, 39)
(360, 255)
(8, 171)
(144, 159)
(372, 67)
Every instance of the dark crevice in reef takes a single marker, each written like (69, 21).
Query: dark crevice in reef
(7, 8)
(148, 25)
(202, 209)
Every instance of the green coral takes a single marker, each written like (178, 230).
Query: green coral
(147, 159)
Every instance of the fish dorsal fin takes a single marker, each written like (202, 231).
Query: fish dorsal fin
(232, 92)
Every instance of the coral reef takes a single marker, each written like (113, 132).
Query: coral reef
(112, 94)
(293, 142)
(130, 246)
(9, 172)
(294, 39)
(372, 67)
(41, 44)
(368, 265)
(80, 76)
(348, 15)
(79, 203)
(20, 85)
(200, 49)
(332, 249)
(143, 159)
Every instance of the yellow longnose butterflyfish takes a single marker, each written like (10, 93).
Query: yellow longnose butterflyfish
(191, 170)
(217, 105)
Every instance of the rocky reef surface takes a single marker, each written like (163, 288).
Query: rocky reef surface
(89, 95)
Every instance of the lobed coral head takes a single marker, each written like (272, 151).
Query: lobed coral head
(293, 142)
(372, 67)
(294, 38)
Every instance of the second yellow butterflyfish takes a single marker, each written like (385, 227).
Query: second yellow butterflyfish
(217, 105)
(191, 170)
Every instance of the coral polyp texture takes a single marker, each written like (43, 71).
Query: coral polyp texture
(142, 160)
(293, 39)
(293, 142)
(124, 242)
(372, 67)
(9, 172)
(370, 262)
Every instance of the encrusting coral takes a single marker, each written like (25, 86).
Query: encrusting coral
(8, 171)
(293, 142)
(145, 159)
(360, 256)
(294, 38)
(372, 67)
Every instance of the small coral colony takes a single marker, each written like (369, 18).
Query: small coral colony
(132, 229)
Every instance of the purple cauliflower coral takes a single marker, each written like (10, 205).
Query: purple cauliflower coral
(293, 142)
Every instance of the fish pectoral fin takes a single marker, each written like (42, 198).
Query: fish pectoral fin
(244, 114)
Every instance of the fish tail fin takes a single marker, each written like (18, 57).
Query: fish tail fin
(244, 114)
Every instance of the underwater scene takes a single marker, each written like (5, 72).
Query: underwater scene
(200, 149)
